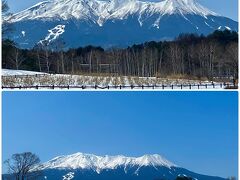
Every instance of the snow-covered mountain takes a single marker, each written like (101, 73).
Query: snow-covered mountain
(82, 166)
(100, 163)
(114, 22)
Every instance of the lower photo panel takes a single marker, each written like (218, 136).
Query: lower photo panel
(120, 135)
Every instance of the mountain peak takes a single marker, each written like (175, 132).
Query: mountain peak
(100, 11)
(186, 7)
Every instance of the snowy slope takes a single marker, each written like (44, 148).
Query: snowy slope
(101, 11)
(99, 163)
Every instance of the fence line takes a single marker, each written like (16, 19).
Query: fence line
(49, 74)
(154, 86)
(181, 86)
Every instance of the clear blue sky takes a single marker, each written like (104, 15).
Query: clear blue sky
(196, 130)
(227, 8)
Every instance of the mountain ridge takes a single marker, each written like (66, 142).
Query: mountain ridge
(99, 163)
(104, 10)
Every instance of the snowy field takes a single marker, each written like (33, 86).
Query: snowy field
(9, 72)
(18, 79)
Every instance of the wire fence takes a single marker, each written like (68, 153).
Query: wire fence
(181, 86)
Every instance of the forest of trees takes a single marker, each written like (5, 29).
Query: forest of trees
(189, 55)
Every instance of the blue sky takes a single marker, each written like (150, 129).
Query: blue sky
(227, 8)
(195, 130)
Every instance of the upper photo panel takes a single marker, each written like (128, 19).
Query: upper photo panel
(120, 44)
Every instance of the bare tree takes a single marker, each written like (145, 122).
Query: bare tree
(58, 46)
(232, 53)
(16, 58)
(46, 55)
(23, 166)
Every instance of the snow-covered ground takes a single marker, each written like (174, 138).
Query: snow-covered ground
(35, 80)
(10, 72)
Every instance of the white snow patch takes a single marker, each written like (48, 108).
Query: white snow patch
(157, 22)
(206, 23)
(228, 28)
(54, 34)
(224, 27)
(68, 176)
(23, 33)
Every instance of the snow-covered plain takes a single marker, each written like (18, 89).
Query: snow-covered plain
(10, 72)
(20, 79)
